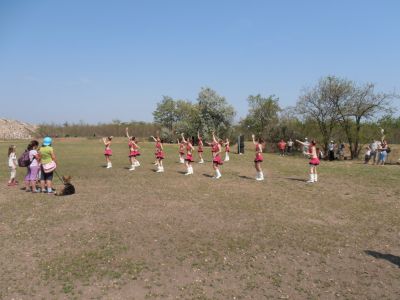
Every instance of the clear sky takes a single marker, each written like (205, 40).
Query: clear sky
(96, 61)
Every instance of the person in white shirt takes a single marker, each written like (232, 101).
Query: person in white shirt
(12, 165)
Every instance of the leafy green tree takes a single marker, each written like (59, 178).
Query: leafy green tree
(165, 113)
(214, 112)
(263, 116)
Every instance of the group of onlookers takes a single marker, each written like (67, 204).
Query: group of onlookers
(39, 163)
(377, 152)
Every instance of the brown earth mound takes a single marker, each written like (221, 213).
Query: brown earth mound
(15, 130)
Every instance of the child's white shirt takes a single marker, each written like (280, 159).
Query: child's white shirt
(12, 160)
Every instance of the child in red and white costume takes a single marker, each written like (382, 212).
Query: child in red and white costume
(314, 160)
(189, 155)
(108, 151)
(133, 151)
(227, 150)
(159, 154)
(200, 148)
(181, 151)
(216, 147)
(259, 158)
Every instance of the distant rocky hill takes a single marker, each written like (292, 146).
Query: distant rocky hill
(14, 130)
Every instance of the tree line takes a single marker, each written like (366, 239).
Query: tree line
(333, 109)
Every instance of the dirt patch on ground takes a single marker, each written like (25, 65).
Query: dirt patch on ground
(144, 235)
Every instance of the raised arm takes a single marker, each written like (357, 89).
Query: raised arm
(254, 139)
(198, 135)
(300, 142)
(154, 139)
(104, 141)
(214, 138)
(127, 133)
(183, 138)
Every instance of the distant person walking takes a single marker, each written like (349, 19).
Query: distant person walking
(108, 151)
(314, 160)
(12, 165)
(259, 157)
(133, 151)
(48, 165)
(383, 152)
(367, 155)
(374, 151)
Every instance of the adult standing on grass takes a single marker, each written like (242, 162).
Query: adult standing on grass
(259, 157)
(314, 160)
(282, 147)
(383, 152)
(133, 151)
(48, 165)
(159, 154)
(331, 151)
(290, 146)
(189, 155)
(108, 151)
(374, 151)
(32, 176)
(200, 147)
(216, 146)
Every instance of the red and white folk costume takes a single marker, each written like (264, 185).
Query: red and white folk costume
(259, 158)
(159, 153)
(314, 160)
(216, 153)
(189, 155)
(227, 150)
(108, 151)
(133, 151)
(200, 148)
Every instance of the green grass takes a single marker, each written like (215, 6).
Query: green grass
(144, 235)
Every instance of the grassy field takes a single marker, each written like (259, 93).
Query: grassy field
(144, 235)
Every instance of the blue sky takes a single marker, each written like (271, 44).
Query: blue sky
(102, 60)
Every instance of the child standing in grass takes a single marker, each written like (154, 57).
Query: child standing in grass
(159, 154)
(189, 155)
(259, 158)
(12, 165)
(200, 148)
(133, 151)
(216, 147)
(227, 150)
(314, 160)
(367, 155)
(34, 167)
(108, 151)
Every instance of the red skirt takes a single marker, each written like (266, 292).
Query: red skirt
(217, 160)
(200, 149)
(134, 153)
(189, 157)
(181, 153)
(314, 161)
(227, 149)
(108, 152)
(259, 158)
(160, 155)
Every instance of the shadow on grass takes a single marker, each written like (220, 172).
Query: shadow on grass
(246, 177)
(296, 179)
(208, 175)
(389, 257)
(181, 172)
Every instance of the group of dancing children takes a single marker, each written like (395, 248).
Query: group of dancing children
(186, 150)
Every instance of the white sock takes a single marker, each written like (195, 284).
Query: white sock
(218, 173)
(261, 175)
(315, 177)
